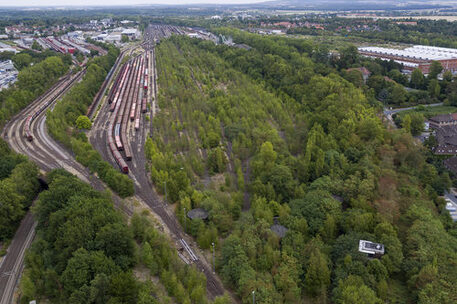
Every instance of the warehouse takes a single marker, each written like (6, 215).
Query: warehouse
(417, 56)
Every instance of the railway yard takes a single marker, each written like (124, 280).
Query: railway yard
(121, 111)
(120, 130)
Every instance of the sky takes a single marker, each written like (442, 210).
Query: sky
(114, 2)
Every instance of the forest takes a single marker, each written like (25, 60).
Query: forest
(18, 188)
(277, 135)
(33, 80)
(88, 252)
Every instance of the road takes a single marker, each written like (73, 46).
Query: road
(389, 112)
(452, 200)
(394, 111)
(144, 189)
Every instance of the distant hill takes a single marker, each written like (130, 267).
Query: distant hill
(355, 4)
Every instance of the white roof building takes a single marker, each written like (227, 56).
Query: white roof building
(416, 52)
(132, 33)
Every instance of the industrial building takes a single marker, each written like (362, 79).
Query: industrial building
(8, 74)
(417, 56)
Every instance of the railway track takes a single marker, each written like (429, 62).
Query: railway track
(133, 134)
(101, 93)
(48, 155)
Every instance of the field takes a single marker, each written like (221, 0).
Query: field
(430, 111)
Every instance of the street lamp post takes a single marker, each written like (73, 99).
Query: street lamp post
(165, 187)
(185, 220)
(214, 259)
(253, 297)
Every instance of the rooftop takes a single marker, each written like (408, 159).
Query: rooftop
(444, 117)
(421, 52)
(279, 230)
(371, 247)
(198, 213)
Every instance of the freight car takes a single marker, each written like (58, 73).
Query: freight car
(117, 156)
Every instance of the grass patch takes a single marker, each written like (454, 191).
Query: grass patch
(430, 111)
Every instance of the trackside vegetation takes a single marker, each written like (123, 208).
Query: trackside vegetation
(18, 188)
(86, 252)
(64, 123)
(276, 134)
(32, 82)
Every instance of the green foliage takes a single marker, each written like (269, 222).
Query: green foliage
(68, 117)
(32, 82)
(83, 245)
(435, 69)
(22, 60)
(417, 79)
(83, 122)
(183, 282)
(18, 187)
(295, 134)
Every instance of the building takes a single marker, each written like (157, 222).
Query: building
(370, 248)
(132, 33)
(415, 57)
(445, 128)
(8, 74)
(198, 213)
(413, 23)
(451, 164)
(443, 120)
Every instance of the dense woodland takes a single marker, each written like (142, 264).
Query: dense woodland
(33, 80)
(278, 134)
(66, 121)
(18, 188)
(86, 252)
(275, 134)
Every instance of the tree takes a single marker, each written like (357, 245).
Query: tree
(417, 79)
(317, 276)
(83, 122)
(397, 94)
(447, 76)
(435, 69)
(355, 77)
(22, 60)
(348, 56)
(434, 88)
(358, 295)
(377, 82)
(417, 123)
(352, 290)
(217, 160)
(36, 46)
(116, 241)
(406, 123)
(125, 39)
(11, 208)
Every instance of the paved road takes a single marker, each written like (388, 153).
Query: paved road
(452, 200)
(137, 166)
(393, 111)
